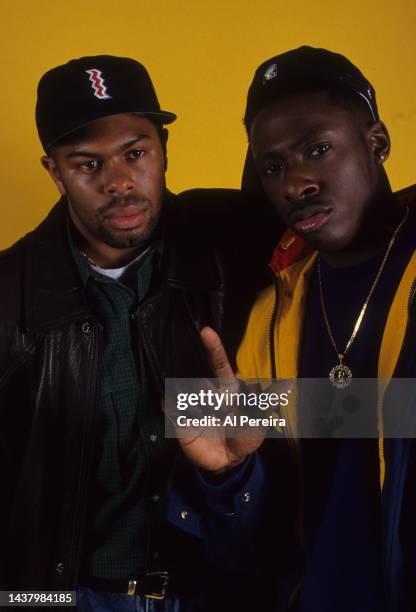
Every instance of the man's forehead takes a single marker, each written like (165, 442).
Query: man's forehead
(305, 105)
(299, 115)
(117, 128)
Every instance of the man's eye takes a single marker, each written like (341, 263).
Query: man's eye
(91, 164)
(135, 154)
(272, 168)
(320, 150)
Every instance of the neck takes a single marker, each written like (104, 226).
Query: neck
(372, 238)
(108, 258)
(344, 259)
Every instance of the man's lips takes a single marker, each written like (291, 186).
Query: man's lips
(127, 217)
(310, 219)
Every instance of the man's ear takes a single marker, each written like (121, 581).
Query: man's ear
(379, 141)
(164, 134)
(50, 165)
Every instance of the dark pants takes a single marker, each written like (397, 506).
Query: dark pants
(90, 600)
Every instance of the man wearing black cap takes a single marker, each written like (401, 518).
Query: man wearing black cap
(101, 303)
(343, 281)
(340, 307)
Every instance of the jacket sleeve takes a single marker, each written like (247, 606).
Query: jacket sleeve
(227, 515)
(249, 523)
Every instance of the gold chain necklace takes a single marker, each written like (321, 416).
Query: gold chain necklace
(341, 375)
(90, 261)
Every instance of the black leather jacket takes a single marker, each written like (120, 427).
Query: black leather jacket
(50, 348)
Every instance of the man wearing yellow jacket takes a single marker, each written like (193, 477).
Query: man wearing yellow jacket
(340, 306)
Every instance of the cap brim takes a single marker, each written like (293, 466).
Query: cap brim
(164, 116)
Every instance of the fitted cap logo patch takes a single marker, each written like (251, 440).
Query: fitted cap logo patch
(97, 82)
(270, 73)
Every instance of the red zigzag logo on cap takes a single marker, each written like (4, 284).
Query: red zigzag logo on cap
(97, 81)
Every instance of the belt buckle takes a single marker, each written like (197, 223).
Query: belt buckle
(132, 587)
(161, 593)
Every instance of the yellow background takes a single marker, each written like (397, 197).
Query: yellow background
(201, 56)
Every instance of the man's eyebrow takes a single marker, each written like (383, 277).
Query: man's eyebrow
(122, 147)
(272, 151)
(130, 143)
(312, 134)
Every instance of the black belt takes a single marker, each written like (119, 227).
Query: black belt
(152, 585)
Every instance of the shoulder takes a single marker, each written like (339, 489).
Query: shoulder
(11, 282)
(17, 262)
(243, 229)
(407, 196)
(11, 279)
(231, 212)
(210, 202)
(12, 254)
(228, 205)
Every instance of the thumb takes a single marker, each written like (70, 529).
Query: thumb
(217, 356)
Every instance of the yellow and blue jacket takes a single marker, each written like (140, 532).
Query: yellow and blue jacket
(270, 349)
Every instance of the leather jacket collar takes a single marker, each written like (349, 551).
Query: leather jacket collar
(52, 289)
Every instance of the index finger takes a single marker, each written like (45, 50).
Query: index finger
(217, 356)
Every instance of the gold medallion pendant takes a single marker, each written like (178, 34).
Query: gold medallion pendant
(340, 376)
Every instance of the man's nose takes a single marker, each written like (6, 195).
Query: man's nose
(118, 180)
(299, 185)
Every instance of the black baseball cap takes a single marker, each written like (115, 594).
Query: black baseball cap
(74, 94)
(302, 69)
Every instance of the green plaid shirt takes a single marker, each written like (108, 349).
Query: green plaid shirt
(116, 529)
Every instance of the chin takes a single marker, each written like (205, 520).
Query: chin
(334, 238)
(336, 245)
(124, 240)
(129, 242)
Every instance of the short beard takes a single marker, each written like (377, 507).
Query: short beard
(125, 241)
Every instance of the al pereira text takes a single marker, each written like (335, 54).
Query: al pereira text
(231, 420)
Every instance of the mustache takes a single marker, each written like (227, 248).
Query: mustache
(121, 202)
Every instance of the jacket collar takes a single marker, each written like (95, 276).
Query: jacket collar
(52, 292)
(289, 250)
(52, 288)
